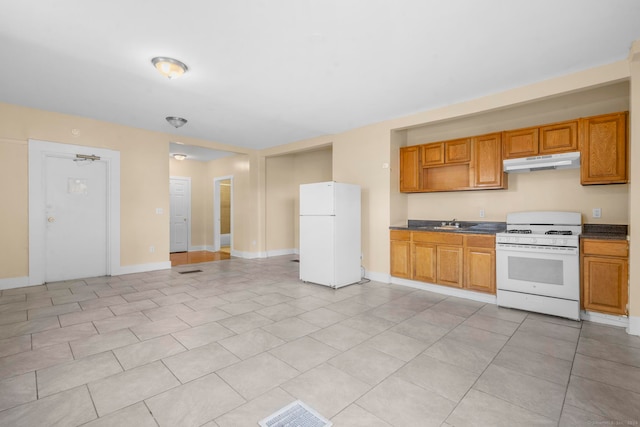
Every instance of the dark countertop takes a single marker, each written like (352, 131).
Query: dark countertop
(466, 227)
(605, 231)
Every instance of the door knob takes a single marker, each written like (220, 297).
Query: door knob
(51, 219)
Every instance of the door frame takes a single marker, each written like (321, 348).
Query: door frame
(186, 179)
(38, 153)
(216, 211)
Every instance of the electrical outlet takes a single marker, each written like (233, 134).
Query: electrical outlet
(481, 213)
(152, 249)
(597, 212)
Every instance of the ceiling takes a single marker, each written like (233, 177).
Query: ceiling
(268, 72)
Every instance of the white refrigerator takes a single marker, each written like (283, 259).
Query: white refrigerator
(330, 246)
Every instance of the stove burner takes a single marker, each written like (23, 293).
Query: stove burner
(560, 232)
(519, 231)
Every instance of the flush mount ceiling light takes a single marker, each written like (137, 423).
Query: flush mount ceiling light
(169, 67)
(176, 122)
(179, 156)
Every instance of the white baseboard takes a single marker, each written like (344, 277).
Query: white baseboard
(445, 290)
(280, 252)
(634, 325)
(606, 319)
(14, 282)
(377, 277)
(198, 248)
(248, 255)
(142, 268)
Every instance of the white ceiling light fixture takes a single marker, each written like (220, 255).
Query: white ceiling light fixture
(176, 122)
(169, 67)
(179, 156)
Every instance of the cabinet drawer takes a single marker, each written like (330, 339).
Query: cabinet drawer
(480, 241)
(439, 238)
(400, 235)
(617, 248)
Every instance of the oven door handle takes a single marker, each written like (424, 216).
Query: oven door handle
(551, 250)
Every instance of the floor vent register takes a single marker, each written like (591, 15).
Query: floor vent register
(295, 414)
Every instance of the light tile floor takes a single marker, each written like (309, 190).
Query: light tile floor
(232, 344)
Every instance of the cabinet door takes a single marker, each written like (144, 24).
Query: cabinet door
(401, 258)
(449, 266)
(605, 284)
(480, 269)
(458, 151)
(559, 138)
(410, 169)
(424, 262)
(432, 154)
(520, 143)
(487, 162)
(603, 145)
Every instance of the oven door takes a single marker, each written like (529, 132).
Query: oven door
(539, 270)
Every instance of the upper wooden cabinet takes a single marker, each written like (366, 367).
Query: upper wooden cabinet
(432, 154)
(559, 138)
(520, 143)
(603, 147)
(448, 152)
(476, 163)
(458, 151)
(487, 162)
(542, 140)
(410, 169)
(461, 164)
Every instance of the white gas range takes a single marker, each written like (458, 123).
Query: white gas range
(538, 263)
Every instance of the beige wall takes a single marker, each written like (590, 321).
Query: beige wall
(14, 213)
(284, 174)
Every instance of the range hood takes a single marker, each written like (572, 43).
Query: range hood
(551, 161)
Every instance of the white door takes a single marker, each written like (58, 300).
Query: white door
(76, 218)
(180, 192)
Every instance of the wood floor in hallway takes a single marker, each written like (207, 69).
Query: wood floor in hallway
(195, 257)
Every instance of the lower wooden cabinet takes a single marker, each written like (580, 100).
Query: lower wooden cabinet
(401, 254)
(480, 269)
(425, 266)
(451, 259)
(449, 266)
(605, 275)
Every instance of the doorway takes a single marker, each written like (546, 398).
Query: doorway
(74, 212)
(223, 214)
(180, 214)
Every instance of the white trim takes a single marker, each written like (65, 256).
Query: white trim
(38, 151)
(378, 277)
(188, 180)
(634, 325)
(143, 268)
(606, 319)
(280, 252)
(14, 282)
(248, 255)
(216, 212)
(445, 290)
(198, 248)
